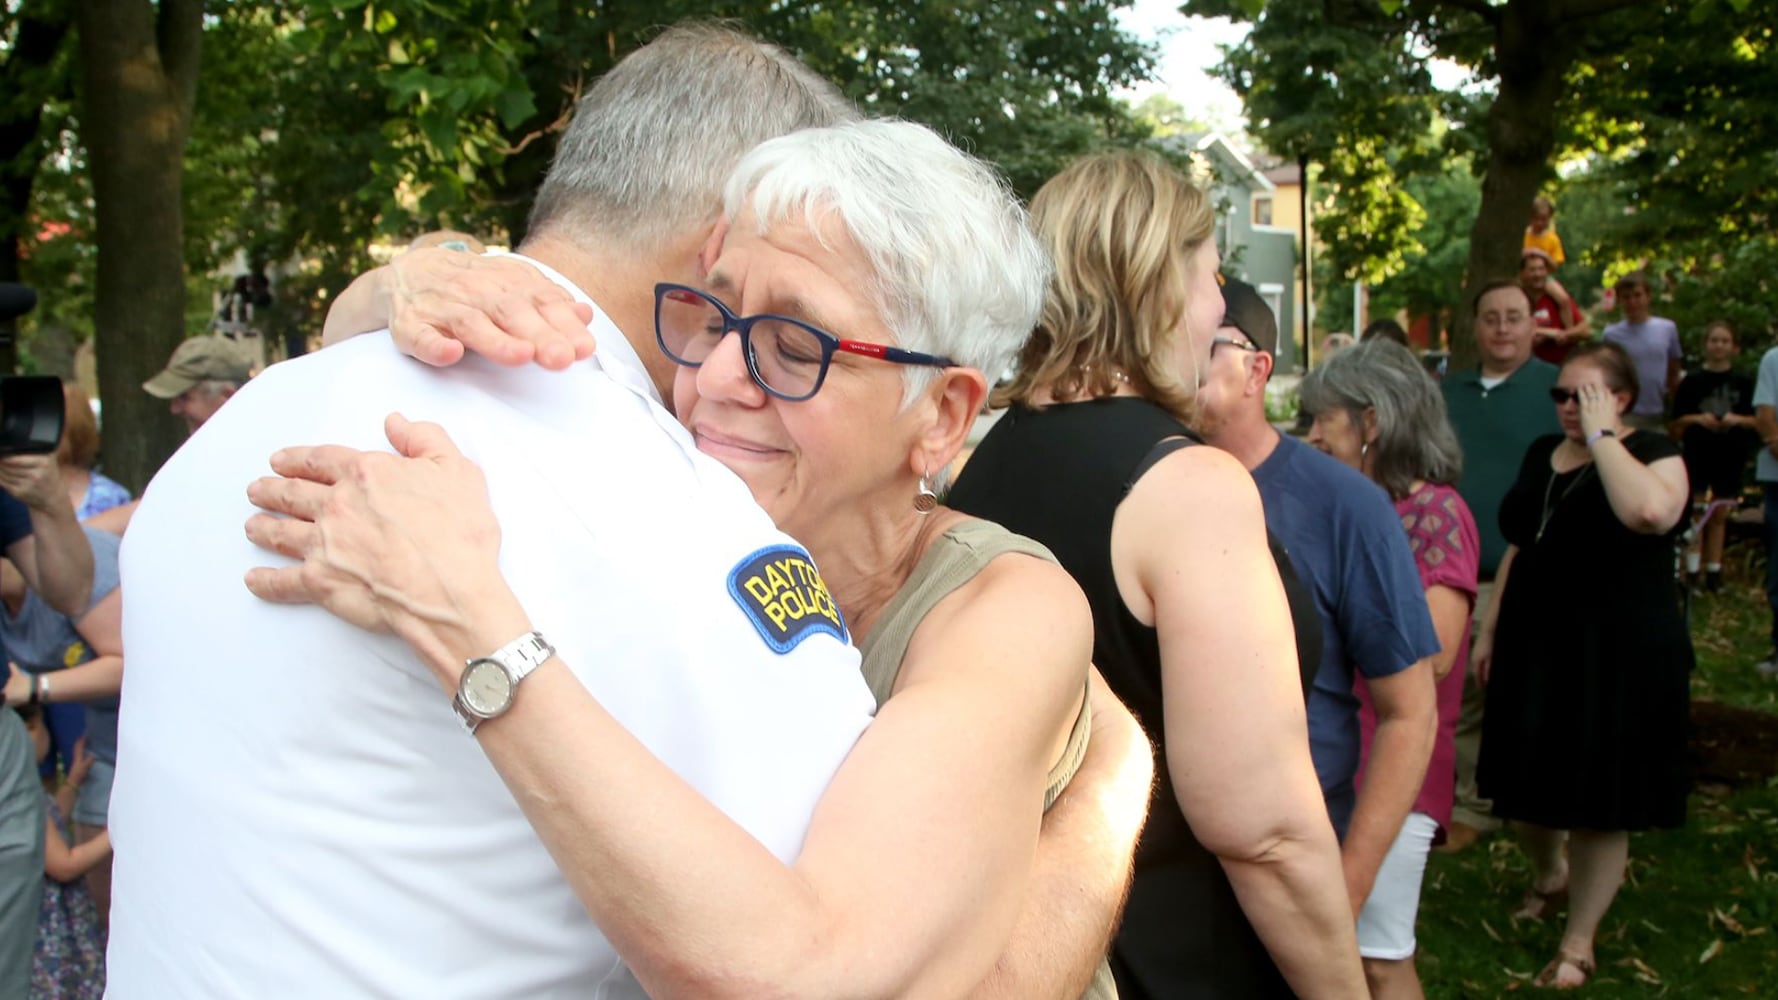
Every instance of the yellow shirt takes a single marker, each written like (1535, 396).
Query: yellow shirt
(1548, 242)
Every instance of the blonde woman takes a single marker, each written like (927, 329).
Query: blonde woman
(1238, 890)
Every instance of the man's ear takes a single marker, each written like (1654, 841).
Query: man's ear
(713, 246)
(1260, 373)
(954, 400)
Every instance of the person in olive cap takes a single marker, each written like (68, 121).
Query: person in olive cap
(202, 374)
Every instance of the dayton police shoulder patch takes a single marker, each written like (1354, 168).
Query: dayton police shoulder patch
(782, 593)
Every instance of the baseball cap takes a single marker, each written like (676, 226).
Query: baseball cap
(1243, 309)
(1538, 252)
(197, 360)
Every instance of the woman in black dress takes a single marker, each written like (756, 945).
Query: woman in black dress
(1584, 738)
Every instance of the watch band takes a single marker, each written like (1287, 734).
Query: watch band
(1603, 432)
(518, 658)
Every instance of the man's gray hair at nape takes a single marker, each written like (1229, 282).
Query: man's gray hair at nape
(651, 143)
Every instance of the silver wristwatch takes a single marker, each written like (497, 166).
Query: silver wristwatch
(486, 689)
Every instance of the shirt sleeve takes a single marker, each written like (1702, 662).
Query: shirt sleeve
(1765, 391)
(15, 520)
(1384, 618)
(1674, 351)
(1446, 544)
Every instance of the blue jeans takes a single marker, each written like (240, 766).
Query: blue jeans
(1771, 537)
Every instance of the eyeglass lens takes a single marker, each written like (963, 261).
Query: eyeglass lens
(785, 357)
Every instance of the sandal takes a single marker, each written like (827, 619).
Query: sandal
(1538, 904)
(1551, 977)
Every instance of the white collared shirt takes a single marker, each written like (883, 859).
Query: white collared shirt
(298, 811)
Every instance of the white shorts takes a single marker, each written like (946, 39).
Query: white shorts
(1386, 924)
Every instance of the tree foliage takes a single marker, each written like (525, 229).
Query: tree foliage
(324, 125)
(1652, 87)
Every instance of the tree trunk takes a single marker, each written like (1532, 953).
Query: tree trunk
(139, 67)
(1534, 54)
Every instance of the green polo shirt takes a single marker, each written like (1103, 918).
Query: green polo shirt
(1495, 427)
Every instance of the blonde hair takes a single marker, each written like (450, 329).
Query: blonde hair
(1122, 228)
(79, 446)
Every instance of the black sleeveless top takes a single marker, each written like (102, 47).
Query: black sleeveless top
(1057, 475)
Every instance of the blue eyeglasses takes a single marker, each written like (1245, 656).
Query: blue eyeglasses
(786, 357)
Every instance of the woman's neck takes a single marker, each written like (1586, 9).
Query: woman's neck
(866, 561)
(1046, 395)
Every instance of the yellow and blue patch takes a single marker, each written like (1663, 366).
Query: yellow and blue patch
(783, 595)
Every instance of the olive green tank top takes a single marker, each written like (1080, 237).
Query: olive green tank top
(952, 560)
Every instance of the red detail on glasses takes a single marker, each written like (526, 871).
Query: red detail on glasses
(687, 298)
(860, 347)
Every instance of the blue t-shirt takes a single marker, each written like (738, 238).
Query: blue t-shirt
(42, 639)
(1346, 543)
(1651, 344)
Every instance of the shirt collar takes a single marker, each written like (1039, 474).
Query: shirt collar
(615, 356)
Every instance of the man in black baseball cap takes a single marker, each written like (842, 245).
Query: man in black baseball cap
(1244, 310)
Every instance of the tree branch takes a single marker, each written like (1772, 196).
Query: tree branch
(1480, 8)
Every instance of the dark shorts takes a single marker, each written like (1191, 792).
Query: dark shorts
(1717, 464)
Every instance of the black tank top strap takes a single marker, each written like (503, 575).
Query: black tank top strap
(1161, 450)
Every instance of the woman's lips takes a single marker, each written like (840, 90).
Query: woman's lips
(720, 445)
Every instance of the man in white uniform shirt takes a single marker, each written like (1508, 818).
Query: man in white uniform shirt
(293, 816)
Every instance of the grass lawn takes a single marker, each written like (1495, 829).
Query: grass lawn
(1698, 916)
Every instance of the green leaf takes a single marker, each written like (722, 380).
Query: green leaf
(515, 107)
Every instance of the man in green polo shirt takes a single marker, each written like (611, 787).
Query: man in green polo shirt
(1497, 409)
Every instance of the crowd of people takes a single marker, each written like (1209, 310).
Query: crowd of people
(627, 657)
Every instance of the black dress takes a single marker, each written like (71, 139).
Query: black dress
(1587, 704)
(1058, 475)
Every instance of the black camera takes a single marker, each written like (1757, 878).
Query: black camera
(30, 405)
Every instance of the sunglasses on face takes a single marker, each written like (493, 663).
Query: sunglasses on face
(786, 357)
(1560, 395)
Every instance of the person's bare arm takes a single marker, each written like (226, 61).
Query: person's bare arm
(1648, 499)
(1481, 643)
(115, 520)
(1407, 724)
(1237, 731)
(55, 559)
(925, 838)
(64, 863)
(1071, 908)
(437, 303)
(1451, 613)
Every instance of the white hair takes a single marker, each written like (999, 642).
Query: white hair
(957, 270)
(651, 143)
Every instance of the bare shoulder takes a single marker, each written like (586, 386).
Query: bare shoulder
(1189, 491)
(1020, 613)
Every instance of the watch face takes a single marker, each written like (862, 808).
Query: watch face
(486, 688)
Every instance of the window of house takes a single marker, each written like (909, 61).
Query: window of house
(1262, 209)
